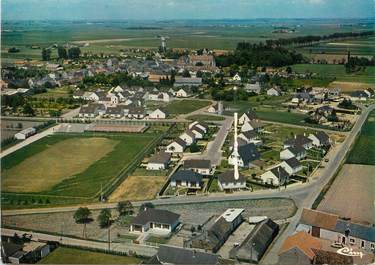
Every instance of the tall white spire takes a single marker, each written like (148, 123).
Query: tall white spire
(235, 149)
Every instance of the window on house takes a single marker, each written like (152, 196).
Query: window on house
(352, 240)
(363, 244)
(372, 246)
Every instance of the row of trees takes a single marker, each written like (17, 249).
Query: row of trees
(13, 73)
(62, 53)
(355, 64)
(114, 79)
(84, 216)
(310, 39)
(259, 55)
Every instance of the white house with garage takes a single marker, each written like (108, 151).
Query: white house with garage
(159, 161)
(227, 181)
(155, 221)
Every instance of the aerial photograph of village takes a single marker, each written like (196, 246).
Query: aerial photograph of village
(188, 132)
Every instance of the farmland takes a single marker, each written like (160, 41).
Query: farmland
(338, 72)
(355, 185)
(69, 166)
(138, 188)
(64, 255)
(185, 106)
(114, 36)
(363, 151)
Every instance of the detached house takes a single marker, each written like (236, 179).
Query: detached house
(199, 125)
(200, 166)
(158, 114)
(198, 132)
(299, 140)
(320, 139)
(298, 152)
(250, 137)
(246, 117)
(136, 113)
(188, 136)
(155, 221)
(227, 181)
(114, 112)
(187, 178)
(177, 146)
(274, 91)
(253, 125)
(159, 161)
(292, 166)
(247, 153)
(276, 176)
(91, 111)
(183, 93)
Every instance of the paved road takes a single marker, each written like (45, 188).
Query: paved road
(29, 140)
(71, 114)
(314, 190)
(143, 250)
(213, 150)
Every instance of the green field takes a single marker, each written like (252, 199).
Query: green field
(185, 106)
(111, 37)
(64, 255)
(360, 46)
(363, 151)
(338, 72)
(205, 118)
(68, 167)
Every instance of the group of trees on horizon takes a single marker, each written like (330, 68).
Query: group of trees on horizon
(259, 55)
(303, 40)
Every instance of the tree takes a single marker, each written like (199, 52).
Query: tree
(13, 50)
(104, 218)
(289, 70)
(194, 148)
(83, 216)
(28, 110)
(46, 54)
(125, 208)
(62, 53)
(74, 53)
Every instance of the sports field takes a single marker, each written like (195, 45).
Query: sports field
(338, 72)
(64, 255)
(363, 151)
(70, 166)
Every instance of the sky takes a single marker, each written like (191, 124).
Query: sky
(183, 9)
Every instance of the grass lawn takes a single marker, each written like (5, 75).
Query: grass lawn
(338, 72)
(186, 106)
(62, 92)
(157, 240)
(138, 188)
(64, 255)
(205, 118)
(363, 151)
(70, 166)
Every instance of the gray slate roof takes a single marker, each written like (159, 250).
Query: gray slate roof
(280, 172)
(197, 163)
(155, 215)
(293, 162)
(187, 175)
(180, 142)
(356, 230)
(297, 150)
(299, 140)
(248, 153)
(175, 255)
(323, 137)
(160, 158)
(228, 177)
